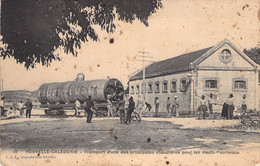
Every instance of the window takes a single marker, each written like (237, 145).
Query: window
(132, 90)
(174, 86)
(225, 56)
(137, 89)
(150, 87)
(184, 85)
(157, 87)
(211, 84)
(239, 84)
(165, 86)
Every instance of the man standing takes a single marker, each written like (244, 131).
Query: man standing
(175, 106)
(109, 108)
(28, 106)
(168, 106)
(210, 103)
(131, 107)
(243, 104)
(156, 102)
(88, 109)
(2, 105)
(139, 105)
(77, 108)
(230, 106)
(203, 107)
(20, 108)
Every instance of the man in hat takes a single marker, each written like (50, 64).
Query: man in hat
(28, 106)
(88, 109)
(131, 107)
(243, 104)
(203, 107)
(175, 106)
(210, 103)
(230, 106)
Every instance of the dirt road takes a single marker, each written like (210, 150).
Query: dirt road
(108, 133)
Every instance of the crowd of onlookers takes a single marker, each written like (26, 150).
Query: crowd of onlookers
(123, 105)
(204, 110)
(228, 107)
(18, 109)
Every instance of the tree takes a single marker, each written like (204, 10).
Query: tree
(33, 29)
(253, 53)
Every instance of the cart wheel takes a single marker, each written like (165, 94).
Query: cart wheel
(47, 111)
(61, 112)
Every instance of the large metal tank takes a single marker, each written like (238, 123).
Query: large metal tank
(69, 92)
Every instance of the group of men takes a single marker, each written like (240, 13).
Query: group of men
(173, 108)
(121, 107)
(19, 108)
(88, 107)
(227, 109)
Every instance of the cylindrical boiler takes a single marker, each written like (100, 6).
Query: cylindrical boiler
(69, 92)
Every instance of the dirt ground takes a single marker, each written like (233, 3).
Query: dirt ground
(108, 133)
(161, 135)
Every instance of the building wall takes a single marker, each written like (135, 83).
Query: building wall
(183, 96)
(224, 69)
(226, 86)
(237, 60)
(238, 68)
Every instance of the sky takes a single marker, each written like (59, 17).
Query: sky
(179, 27)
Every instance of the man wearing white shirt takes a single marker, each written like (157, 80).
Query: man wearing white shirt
(21, 108)
(77, 108)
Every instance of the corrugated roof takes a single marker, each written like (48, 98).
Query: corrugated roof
(172, 65)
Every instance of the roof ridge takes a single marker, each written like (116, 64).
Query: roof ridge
(174, 64)
(184, 54)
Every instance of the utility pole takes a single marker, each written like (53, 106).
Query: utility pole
(144, 59)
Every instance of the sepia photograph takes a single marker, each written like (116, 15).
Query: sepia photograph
(130, 82)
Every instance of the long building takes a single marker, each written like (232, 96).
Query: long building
(221, 70)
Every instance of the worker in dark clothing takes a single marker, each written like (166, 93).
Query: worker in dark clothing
(130, 110)
(121, 108)
(149, 107)
(230, 106)
(243, 104)
(224, 112)
(28, 106)
(88, 109)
